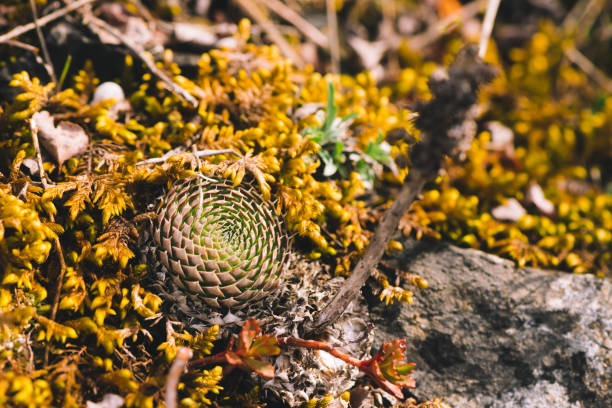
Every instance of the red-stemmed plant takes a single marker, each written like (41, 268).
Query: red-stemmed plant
(386, 368)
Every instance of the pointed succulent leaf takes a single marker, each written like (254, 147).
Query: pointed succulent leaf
(250, 330)
(392, 364)
(221, 244)
(388, 370)
(251, 349)
(265, 345)
(262, 368)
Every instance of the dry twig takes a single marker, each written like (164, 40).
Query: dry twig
(43, 44)
(183, 355)
(589, 68)
(196, 154)
(27, 47)
(310, 31)
(137, 50)
(581, 18)
(39, 162)
(60, 278)
(34, 50)
(487, 26)
(17, 31)
(271, 30)
(334, 42)
(385, 230)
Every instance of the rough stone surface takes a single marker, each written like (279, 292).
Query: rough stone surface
(486, 334)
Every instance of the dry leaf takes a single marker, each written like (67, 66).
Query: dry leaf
(511, 211)
(62, 142)
(536, 196)
(502, 137)
(194, 34)
(306, 110)
(369, 53)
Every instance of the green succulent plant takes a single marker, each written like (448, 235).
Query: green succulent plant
(221, 244)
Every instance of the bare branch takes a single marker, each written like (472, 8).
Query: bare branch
(36, 145)
(56, 241)
(268, 26)
(487, 26)
(17, 31)
(43, 44)
(385, 230)
(334, 42)
(589, 68)
(183, 355)
(27, 47)
(310, 31)
(196, 154)
(141, 54)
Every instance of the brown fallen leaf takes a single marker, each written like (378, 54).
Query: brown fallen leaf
(502, 138)
(194, 33)
(369, 53)
(535, 195)
(62, 142)
(512, 210)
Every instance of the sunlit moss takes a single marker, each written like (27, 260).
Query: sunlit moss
(260, 105)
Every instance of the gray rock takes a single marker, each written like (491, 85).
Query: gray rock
(486, 334)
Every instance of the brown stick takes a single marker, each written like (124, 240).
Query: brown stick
(589, 68)
(487, 26)
(447, 123)
(334, 42)
(36, 145)
(256, 14)
(137, 50)
(197, 154)
(310, 31)
(60, 278)
(17, 31)
(27, 47)
(581, 18)
(183, 355)
(385, 230)
(48, 64)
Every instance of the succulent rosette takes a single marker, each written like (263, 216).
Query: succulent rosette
(220, 244)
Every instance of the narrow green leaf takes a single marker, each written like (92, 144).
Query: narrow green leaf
(64, 72)
(332, 109)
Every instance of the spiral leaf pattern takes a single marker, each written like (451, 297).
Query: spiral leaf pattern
(220, 244)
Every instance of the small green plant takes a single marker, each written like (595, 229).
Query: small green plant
(337, 151)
